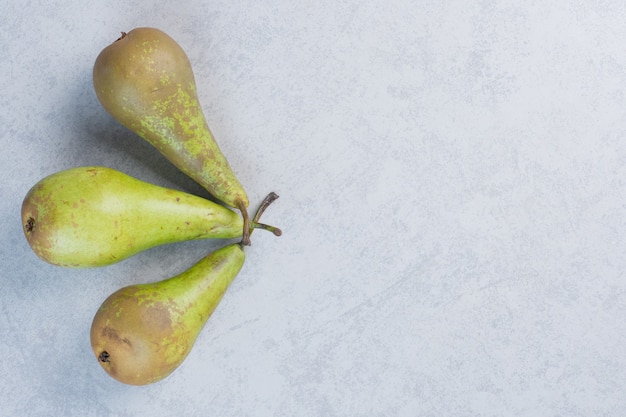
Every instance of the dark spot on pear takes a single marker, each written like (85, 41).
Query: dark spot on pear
(110, 333)
(30, 225)
(104, 356)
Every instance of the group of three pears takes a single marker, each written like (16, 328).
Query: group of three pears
(95, 216)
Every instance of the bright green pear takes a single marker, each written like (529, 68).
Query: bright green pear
(146, 82)
(95, 216)
(142, 333)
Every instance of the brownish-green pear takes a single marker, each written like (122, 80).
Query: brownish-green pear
(95, 216)
(146, 82)
(142, 333)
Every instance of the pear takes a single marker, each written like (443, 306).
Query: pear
(96, 216)
(145, 81)
(142, 333)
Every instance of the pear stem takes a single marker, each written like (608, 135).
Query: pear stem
(245, 237)
(267, 227)
(254, 224)
(269, 199)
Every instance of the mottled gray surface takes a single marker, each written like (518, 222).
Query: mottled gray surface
(453, 195)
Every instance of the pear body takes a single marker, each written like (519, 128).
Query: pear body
(146, 82)
(96, 216)
(142, 333)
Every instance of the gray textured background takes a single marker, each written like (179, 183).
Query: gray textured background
(453, 195)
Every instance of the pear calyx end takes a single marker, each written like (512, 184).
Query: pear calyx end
(30, 225)
(104, 356)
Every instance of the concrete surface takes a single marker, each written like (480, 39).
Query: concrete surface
(453, 199)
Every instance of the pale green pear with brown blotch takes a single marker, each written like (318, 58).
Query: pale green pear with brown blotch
(142, 333)
(96, 216)
(146, 82)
